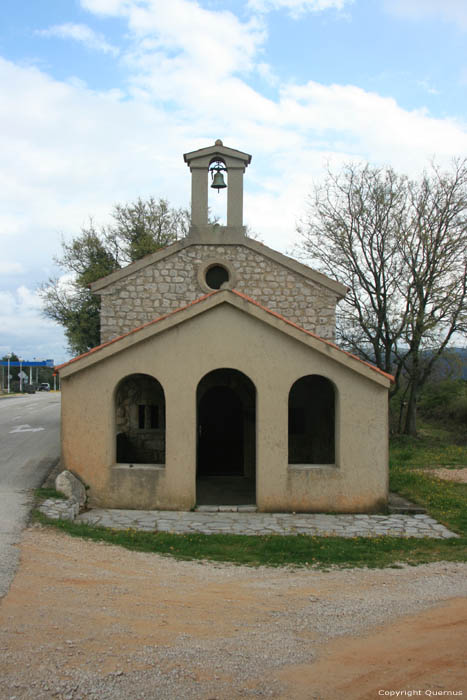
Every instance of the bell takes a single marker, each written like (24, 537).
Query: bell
(218, 182)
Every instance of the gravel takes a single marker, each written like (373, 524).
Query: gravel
(89, 620)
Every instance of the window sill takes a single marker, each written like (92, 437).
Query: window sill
(313, 467)
(139, 467)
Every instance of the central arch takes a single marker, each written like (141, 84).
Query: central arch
(226, 429)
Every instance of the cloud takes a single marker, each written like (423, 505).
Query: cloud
(105, 7)
(29, 334)
(81, 33)
(298, 7)
(448, 10)
(69, 151)
(183, 35)
(426, 85)
(10, 268)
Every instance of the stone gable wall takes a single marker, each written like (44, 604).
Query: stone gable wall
(173, 282)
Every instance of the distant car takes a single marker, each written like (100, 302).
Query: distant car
(29, 389)
(45, 386)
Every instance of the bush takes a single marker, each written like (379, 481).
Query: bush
(445, 400)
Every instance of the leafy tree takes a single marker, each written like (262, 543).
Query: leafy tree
(139, 228)
(400, 246)
(145, 226)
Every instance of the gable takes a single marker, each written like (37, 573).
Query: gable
(257, 315)
(176, 276)
(338, 289)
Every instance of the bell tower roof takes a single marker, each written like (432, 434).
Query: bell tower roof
(234, 163)
(220, 151)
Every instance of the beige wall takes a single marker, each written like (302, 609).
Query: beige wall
(225, 336)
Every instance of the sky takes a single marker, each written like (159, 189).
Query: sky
(100, 99)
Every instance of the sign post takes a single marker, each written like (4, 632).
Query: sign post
(8, 358)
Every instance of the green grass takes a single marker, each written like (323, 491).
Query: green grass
(275, 550)
(43, 494)
(445, 501)
(435, 446)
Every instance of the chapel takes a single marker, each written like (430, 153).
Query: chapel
(217, 381)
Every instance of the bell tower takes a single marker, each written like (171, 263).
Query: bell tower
(217, 158)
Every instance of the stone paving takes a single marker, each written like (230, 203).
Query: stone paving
(245, 522)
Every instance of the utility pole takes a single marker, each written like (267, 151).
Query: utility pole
(8, 357)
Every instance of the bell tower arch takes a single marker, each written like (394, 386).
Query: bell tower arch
(234, 163)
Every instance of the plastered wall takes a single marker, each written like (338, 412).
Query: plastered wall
(179, 358)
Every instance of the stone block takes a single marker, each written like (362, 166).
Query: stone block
(68, 484)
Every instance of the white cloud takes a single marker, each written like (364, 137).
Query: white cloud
(298, 7)
(30, 335)
(81, 33)
(105, 7)
(449, 10)
(10, 268)
(184, 36)
(69, 152)
(25, 330)
(426, 85)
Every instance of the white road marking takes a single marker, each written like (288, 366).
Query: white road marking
(25, 429)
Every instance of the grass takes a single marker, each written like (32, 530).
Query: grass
(43, 494)
(445, 501)
(435, 446)
(274, 550)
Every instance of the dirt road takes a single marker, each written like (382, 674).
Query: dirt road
(86, 620)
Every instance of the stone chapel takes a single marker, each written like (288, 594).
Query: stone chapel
(217, 381)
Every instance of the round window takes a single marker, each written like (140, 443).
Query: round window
(216, 276)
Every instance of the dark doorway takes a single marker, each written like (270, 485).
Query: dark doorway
(226, 439)
(220, 433)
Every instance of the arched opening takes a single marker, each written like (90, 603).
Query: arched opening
(217, 197)
(140, 420)
(226, 451)
(312, 421)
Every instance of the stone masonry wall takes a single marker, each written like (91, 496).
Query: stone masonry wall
(170, 283)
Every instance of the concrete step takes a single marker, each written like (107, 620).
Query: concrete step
(400, 505)
(226, 509)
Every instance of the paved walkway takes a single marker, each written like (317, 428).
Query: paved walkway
(244, 522)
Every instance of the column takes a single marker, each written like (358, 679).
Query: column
(199, 196)
(235, 197)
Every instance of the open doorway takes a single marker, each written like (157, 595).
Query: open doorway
(226, 426)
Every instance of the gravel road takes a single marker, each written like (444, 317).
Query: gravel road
(90, 620)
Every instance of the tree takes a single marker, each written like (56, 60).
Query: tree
(139, 228)
(145, 226)
(400, 246)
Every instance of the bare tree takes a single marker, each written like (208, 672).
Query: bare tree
(434, 256)
(400, 247)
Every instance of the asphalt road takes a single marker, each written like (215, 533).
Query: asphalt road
(29, 446)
